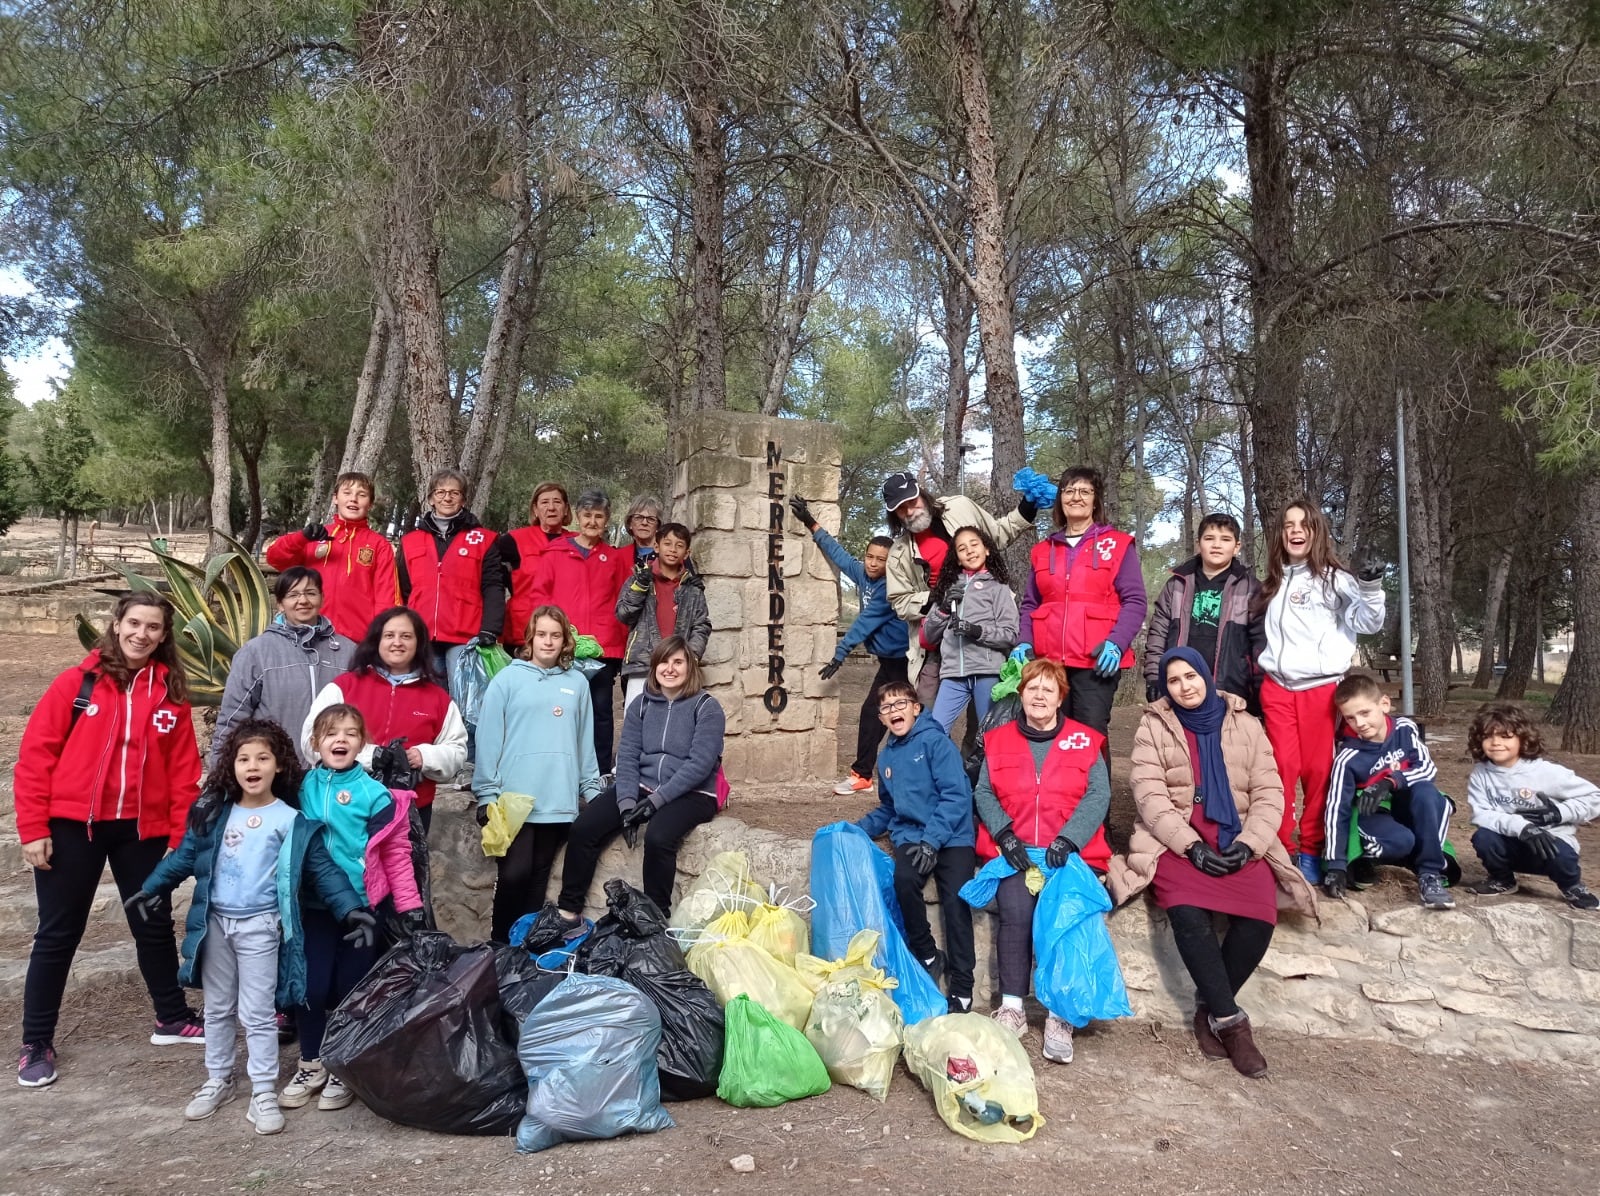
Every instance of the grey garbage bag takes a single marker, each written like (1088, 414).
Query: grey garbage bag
(589, 1052)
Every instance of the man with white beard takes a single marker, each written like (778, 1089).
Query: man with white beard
(922, 526)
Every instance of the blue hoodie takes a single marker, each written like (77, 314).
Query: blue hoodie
(923, 792)
(536, 736)
(877, 626)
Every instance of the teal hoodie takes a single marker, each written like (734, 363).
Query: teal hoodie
(536, 736)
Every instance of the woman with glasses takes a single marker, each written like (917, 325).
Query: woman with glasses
(450, 573)
(643, 522)
(1084, 602)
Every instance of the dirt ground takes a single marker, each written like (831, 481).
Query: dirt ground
(1139, 1110)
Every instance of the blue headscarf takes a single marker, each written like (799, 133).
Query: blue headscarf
(1204, 722)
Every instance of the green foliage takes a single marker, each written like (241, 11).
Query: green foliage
(55, 466)
(11, 470)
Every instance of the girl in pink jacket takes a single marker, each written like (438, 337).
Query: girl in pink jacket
(367, 833)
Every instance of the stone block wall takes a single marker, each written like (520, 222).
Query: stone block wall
(773, 597)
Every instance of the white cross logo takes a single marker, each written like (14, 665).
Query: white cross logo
(475, 536)
(1105, 547)
(164, 721)
(1074, 742)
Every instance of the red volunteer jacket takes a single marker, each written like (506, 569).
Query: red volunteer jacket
(586, 588)
(1041, 800)
(1077, 609)
(524, 568)
(414, 712)
(131, 754)
(447, 591)
(358, 574)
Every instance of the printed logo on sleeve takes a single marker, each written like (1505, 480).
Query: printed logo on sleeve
(164, 720)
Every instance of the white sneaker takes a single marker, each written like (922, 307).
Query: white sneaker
(852, 783)
(208, 1098)
(1057, 1040)
(334, 1095)
(1011, 1019)
(263, 1113)
(308, 1081)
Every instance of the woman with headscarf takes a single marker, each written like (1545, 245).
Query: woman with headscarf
(1209, 803)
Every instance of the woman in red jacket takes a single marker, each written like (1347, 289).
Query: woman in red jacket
(107, 771)
(394, 683)
(522, 556)
(583, 575)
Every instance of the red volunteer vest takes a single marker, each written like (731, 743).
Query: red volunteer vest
(586, 589)
(1077, 607)
(531, 543)
(447, 592)
(414, 713)
(1040, 801)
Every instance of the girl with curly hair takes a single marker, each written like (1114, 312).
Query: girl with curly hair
(973, 623)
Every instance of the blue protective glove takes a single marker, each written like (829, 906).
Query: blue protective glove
(1021, 653)
(1034, 486)
(1108, 660)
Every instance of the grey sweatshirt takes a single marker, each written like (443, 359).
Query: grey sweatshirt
(1499, 795)
(278, 675)
(993, 607)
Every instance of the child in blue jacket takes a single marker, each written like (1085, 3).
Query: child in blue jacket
(248, 848)
(877, 626)
(925, 805)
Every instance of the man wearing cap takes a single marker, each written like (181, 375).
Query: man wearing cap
(922, 526)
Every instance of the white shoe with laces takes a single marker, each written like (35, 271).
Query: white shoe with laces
(1011, 1019)
(334, 1095)
(208, 1098)
(308, 1080)
(1057, 1040)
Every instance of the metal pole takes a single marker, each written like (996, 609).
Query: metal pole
(1406, 688)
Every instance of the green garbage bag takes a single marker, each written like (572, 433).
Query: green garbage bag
(1010, 680)
(766, 1062)
(494, 659)
(586, 647)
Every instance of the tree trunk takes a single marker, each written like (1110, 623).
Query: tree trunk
(221, 453)
(1579, 696)
(956, 332)
(367, 386)
(1493, 598)
(428, 396)
(708, 197)
(375, 436)
(502, 334)
(1428, 594)
(250, 458)
(1524, 640)
(1274, 400)
(791, 302)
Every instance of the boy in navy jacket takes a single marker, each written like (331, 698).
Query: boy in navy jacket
(925, 805)
(1382, 773)
(877, 626)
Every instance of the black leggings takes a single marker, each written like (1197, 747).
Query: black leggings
(65, 896)
(524, 874)
(870, 731)
(1218, 969)
(601, 821)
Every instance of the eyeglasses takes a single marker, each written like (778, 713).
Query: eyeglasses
(1078, 492)
(894, 707)
(447, 493)
(645, 519)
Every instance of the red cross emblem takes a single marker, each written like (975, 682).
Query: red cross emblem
(1075, 742)
(164, 721)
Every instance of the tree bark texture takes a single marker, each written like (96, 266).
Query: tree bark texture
(708, 197)
(1579, 697)
(1524, 638)
(956, 332)
(1494, 598)
(1426, 481)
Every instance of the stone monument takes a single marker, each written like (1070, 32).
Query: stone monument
(773, 597)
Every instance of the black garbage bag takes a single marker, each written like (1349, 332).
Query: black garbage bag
(548, 931)
(523, 984)
(421, 1040)
(692, 1034)
(1001, 712)
(631, 935)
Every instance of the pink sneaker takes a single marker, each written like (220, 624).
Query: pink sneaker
(189, 1028)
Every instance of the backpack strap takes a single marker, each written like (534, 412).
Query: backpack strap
(81, 703)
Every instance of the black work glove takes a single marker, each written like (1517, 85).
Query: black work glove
(1368, 800)
(634, 818)
(146, 905)
(482, 813)
(1208, 861)
(1548, 813)
(411, 921)
(1060, 848)
(362, 927)
(1028, 509)
(1371, 572)
(1334, 882)
(1236, 855)
(802, 512)
(922, 857)
(1013, 849)
(316, 531)
(1152, 691)
(486, 639)
(1540, 841)
(827, 671)
(968, 630)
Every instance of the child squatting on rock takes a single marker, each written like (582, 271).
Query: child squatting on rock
(243, 941)
(1526, 808)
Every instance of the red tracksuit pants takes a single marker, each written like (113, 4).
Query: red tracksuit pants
(1300, 726)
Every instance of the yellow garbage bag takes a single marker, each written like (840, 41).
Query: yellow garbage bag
(506, 816)
(856, 1027)
(734, 966)
(726, 884)
(781, 931)
(857, 963)
(979, 1075)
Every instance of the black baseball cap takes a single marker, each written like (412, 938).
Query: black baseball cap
(901, 487)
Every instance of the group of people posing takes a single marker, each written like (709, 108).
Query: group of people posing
(1248, 703)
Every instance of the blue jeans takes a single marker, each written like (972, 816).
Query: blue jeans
(1411, 832)
(1503, 857)
(955, 692)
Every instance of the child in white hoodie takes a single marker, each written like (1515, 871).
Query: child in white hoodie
(1526, 808)
(1314, 609)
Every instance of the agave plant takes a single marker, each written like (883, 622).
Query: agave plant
(220, 606)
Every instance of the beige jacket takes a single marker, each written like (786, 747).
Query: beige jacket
(908, 582)
(1163, 792)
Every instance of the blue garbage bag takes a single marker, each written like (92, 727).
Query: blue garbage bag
(845, 863)
(589, 1052)
(1076, 975)
(980, 891)
(469, 678)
